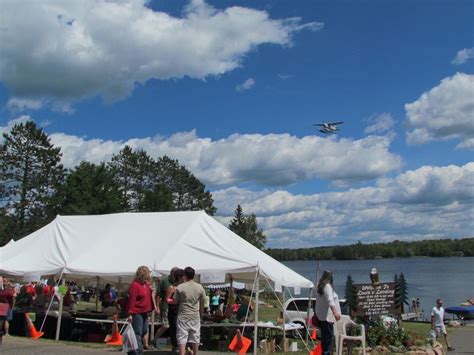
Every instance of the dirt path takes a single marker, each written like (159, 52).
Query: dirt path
(461, 338)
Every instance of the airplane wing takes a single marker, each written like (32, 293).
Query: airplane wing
(318, 124)
(336, 123)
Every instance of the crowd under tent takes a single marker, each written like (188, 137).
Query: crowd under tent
(113, 246)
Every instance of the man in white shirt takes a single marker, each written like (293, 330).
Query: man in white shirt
(437, 322)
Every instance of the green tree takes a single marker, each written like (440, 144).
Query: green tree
(189, 193)
(30, 175)
(158, 199)
(6, 227)
(246, 227)
(351, 294)
(133, 172)
(403, 290)
(90, 189)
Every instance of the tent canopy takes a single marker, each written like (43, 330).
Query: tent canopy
(116, 244)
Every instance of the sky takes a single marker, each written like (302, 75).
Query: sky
(232, 89)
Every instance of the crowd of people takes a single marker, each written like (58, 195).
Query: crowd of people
(37, 297)
(181, 304)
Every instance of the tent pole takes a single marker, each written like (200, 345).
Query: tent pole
(255, 328)
(97, 295)
(311, 293)
(284, 317)
(153, 313)
(60, 316)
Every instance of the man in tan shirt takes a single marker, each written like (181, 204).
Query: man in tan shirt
(190, 298)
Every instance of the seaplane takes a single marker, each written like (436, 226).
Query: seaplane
(328, 127)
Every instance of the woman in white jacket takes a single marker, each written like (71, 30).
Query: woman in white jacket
(327, 310)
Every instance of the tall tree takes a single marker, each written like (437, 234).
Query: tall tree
(158, 199)
(403, 290)
(90, 189)
(133, 172)
(30, 175)
(351, 294)
(189, 193)
(246, 227)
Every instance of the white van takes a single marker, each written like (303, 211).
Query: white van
(296, 309)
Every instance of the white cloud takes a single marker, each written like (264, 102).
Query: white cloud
(12, 123)
(272, 159)
(246, 85)
(463, 56)
(444, 112)
(429, 202)
(380, 123)
(57, 52)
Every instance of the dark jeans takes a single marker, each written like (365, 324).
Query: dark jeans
(173, 320)
(327, 336)
(140, 327)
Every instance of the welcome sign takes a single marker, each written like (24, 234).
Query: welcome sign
(375, 300)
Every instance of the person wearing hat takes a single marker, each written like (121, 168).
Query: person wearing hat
(374, 276)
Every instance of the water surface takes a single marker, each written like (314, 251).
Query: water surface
(451, 279)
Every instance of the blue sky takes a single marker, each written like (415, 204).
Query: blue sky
(231, 89)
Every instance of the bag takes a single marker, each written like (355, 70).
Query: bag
(315, 321)
(4, 307)
(129, 340)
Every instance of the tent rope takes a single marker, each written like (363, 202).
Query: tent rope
(250, 302)
(51, 301)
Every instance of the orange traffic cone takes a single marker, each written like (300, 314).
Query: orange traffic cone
(314, 334)
(239, 343)
(34, 334)
(318, 350)
(115, 338)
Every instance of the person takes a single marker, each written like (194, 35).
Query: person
(173, 308)
(215, 301)
(280, 319)
(106, 297)
(39, 303)
(163, 287)
(24, 300)
(437, 322)
(122, 304)
(140, 303)
(327, 310)
(244, 311)
(7, 295)
(374, 276)
(190, 298)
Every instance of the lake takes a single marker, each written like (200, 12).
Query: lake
(451, 279)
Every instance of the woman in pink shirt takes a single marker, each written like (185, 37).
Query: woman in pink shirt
(140, 303)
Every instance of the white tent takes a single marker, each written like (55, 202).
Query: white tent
(116, 244)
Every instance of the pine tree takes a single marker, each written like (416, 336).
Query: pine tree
(134, 173)
(188, 192)
(403, 290)
(30, 175)
(246, 227)
(351, 294)
(90, 189)
(158, 199)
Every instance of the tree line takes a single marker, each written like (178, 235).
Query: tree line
(35, 186)
(395, 249)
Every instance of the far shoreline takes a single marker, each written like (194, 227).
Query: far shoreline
(397, 249)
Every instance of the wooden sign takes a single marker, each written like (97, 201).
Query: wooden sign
(375, 300)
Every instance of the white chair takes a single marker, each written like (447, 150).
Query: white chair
(340, 332)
